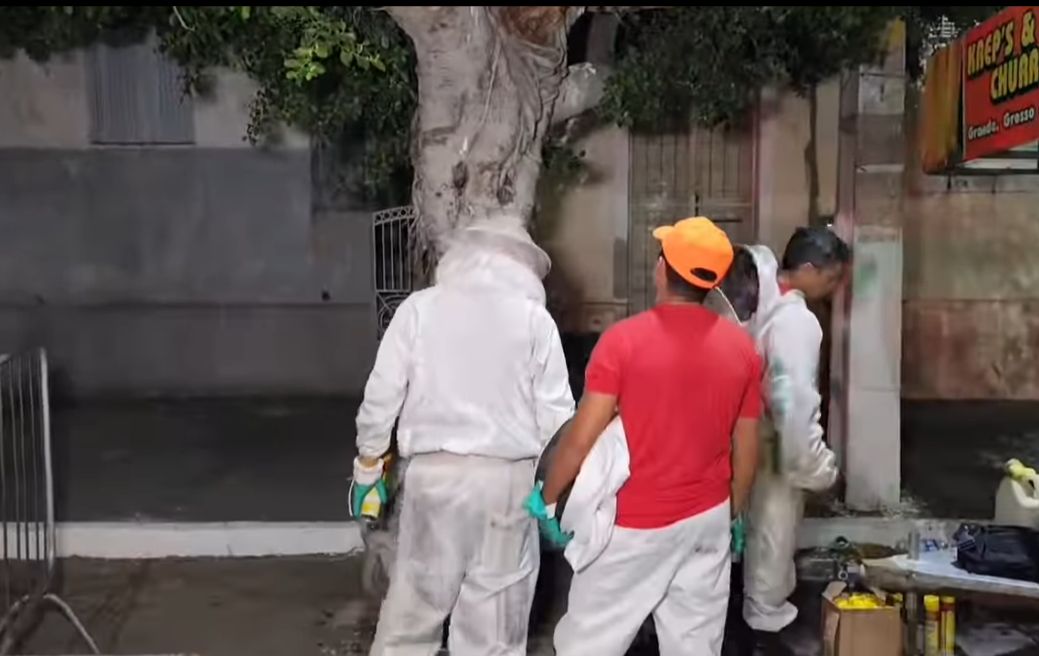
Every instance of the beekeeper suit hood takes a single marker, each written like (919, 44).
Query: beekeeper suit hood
(474, 369)
(461, 350)
(795, 457)
(495, 256)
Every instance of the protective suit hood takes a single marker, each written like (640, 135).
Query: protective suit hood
(494, 256)
(770, 298)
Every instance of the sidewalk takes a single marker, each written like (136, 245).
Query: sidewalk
(233, 607)
(314, 607)
(214, 607)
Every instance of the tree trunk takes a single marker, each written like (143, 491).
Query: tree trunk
(489, 79)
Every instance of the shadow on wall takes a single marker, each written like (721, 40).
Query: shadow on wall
(577, 347)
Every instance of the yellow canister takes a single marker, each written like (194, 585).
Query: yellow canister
(932, 626)
(948, 620)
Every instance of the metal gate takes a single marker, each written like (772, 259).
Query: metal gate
(698, 172)
(27, 500)
(394, 258)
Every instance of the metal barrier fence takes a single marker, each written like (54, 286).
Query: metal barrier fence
(27, 534)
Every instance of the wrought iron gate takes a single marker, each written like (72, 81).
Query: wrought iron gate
(394, 243)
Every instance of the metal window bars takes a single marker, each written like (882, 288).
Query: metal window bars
(27, 534)
(394, 256)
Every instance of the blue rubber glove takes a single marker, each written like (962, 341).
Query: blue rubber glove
(739, 536)
(548, 523)
(366, 479)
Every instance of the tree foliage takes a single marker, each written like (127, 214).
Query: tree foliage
(349, 72)
(338, 73)
(706, 61)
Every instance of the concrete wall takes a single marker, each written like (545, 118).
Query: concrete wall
(784, 140)
(584, 227)
(971, 327)
(198, 269)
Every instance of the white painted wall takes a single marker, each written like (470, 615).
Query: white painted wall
(222, 116)
(46, 105)
(586, 234)
(783, 181)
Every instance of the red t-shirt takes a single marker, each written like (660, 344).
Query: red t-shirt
(682, 376)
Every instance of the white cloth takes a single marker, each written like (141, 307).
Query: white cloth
(473, 365)
(679, 574)
(591, 508)
(788, 337)
(467, 548)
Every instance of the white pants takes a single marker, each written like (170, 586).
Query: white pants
(466, 548)
(769, 574)
(679, 574)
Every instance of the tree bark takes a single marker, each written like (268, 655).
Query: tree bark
(489, 79)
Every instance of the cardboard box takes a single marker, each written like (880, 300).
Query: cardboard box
(872, 632)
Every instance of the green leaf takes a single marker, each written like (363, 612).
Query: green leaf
(321, 50)
(346, 57)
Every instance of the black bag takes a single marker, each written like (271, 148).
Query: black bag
(1009, 552)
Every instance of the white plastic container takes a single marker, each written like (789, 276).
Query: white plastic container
(1017, 499)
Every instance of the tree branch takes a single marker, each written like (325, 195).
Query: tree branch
(581, 90)
(415, 21)
(622, 10)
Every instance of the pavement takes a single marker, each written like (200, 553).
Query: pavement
(314, 607)
(288, 459)
(203, 460)
(233, 607)
(214, 607)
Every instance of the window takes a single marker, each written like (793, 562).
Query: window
(137, 97)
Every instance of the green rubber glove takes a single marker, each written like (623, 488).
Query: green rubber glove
(739, 535)
(548, 523)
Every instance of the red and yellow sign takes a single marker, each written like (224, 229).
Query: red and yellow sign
(1001, 83)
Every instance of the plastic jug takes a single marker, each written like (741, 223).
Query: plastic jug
(1017, 499)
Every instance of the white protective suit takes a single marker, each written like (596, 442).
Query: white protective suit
(679, 574)
(591, 508)
(474, 368)
(794, 457)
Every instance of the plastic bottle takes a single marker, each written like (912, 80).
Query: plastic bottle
(913, 634)
(932, 626)
(1017, 498)
(371, 507)
(948, 615)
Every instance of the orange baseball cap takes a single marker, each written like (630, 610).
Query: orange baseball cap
(697, 250)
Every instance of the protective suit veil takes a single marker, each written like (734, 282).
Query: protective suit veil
(794, 457)
(474, 369)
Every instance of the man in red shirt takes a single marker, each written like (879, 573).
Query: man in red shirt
(686, 383)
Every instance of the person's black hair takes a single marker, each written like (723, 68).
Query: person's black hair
(682, 288)
(820, 247)
(740, 285)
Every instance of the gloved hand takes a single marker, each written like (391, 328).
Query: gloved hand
(739, 535)
(366, 478)
(548, 523)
